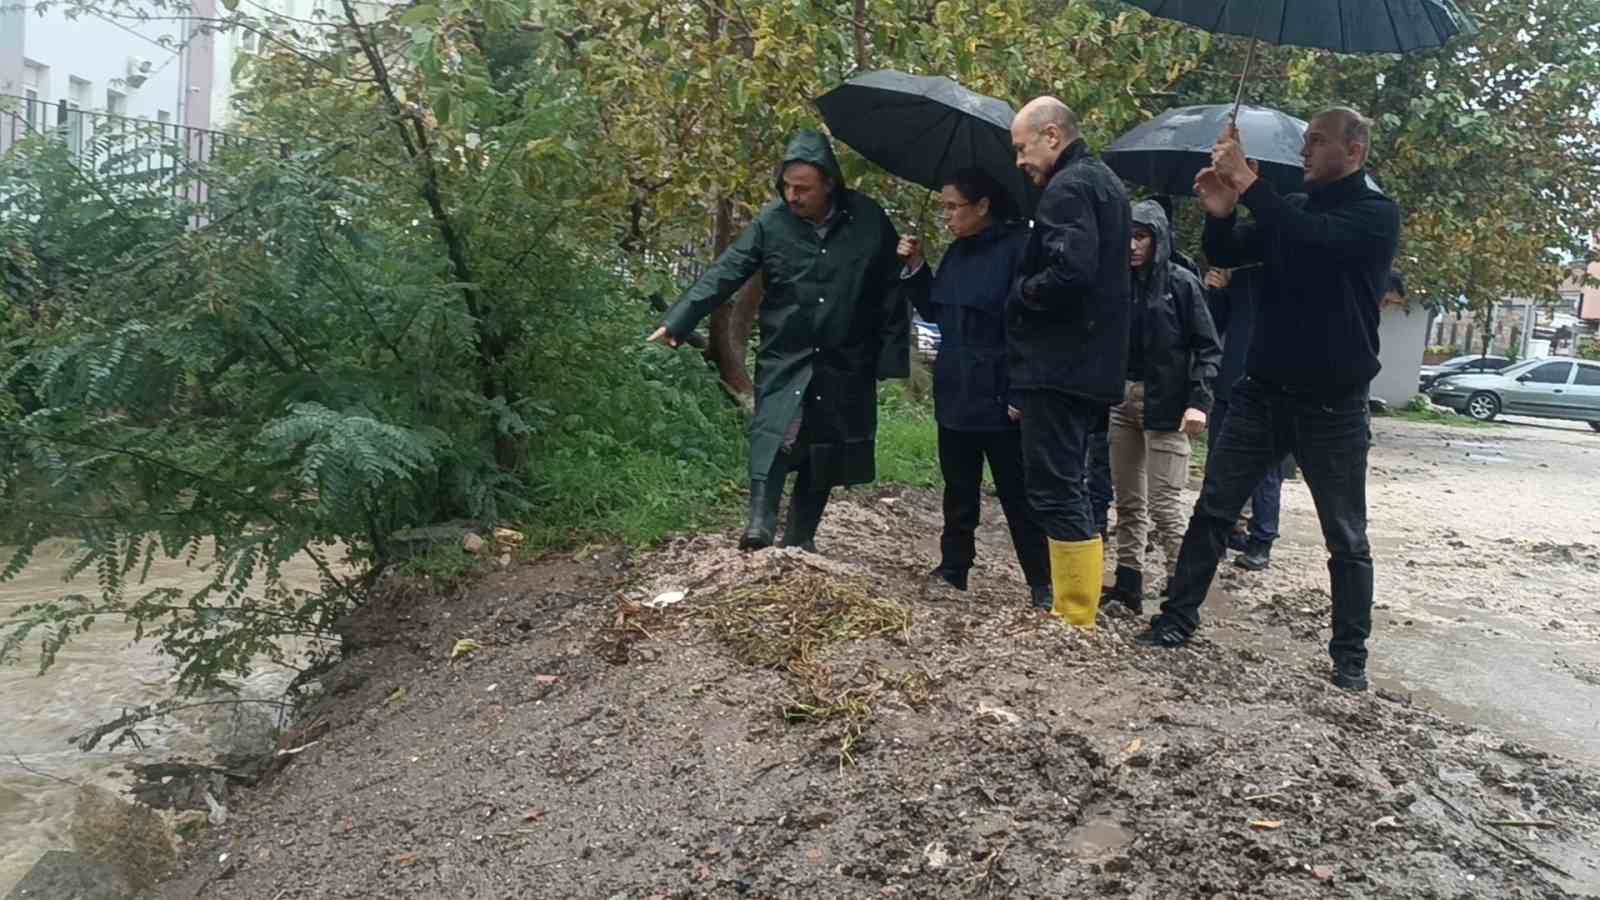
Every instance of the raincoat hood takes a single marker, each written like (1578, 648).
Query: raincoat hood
(810, 147)
(1152, 284)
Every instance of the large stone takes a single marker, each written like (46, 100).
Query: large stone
(70, 875)
(248, 730)
(133, 841)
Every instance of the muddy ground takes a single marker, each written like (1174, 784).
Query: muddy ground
(593, 747)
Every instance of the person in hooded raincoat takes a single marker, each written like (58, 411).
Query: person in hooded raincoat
(1173, 356)
(833, 321)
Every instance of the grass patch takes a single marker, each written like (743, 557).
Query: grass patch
(1421, 411)
(784, 625)
(908, 439)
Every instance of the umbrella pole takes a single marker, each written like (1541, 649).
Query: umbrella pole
(1244, 76)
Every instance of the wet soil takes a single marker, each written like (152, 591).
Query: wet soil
(595, 747)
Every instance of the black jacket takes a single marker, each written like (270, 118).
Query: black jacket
(967, 300)
(1233, 311)
(1179, 343)
(1067, 317)
(1326, 263)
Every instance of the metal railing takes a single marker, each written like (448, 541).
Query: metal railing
(154, 156)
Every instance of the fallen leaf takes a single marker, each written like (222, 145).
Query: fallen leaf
(1134, 746)
(1266, 824)
(399, 694)
(464, 646)
(508, 536)
(533, 815)
(404, 859)
(1322, 873)
(1389, 822)
(547, 679)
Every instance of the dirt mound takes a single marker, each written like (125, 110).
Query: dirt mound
(804, 726)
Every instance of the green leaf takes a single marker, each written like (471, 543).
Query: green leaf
(417, 15)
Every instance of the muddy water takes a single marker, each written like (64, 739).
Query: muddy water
(94, 678)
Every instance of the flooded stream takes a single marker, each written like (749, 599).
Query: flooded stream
(93, 679)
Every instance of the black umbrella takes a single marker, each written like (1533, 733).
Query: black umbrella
(926, 128)
(1165, 153)
(1343, 26)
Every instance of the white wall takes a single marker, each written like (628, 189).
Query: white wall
(96, 50)
(1402, 336)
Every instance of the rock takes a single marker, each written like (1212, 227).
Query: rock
(190, 823)
(473, 544)
(69, 875)
(1378, 406)
(133, 841)
(248, 730)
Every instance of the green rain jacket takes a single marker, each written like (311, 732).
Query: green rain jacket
(833, 321)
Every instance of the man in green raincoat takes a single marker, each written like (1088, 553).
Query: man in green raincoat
(833, 321)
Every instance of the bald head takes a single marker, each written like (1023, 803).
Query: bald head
(1338, 141)
(1042, 130)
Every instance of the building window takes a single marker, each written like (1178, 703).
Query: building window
(36, 94)
(79, 93)
(116, 103)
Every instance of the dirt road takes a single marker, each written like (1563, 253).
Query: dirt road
(803, 726)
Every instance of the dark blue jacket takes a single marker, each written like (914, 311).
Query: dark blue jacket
(967, 300)
(1233, 310)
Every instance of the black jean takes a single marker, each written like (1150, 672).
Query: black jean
(1055, 446)
(961, 456)
(1330, 440)
(1266, 501)
(1098, 477)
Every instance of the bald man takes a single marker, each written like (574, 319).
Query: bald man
(1325, 257)
(1067, 337)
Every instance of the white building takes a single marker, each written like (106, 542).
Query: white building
(159, 70)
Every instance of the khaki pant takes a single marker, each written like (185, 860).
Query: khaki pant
(1148, 472)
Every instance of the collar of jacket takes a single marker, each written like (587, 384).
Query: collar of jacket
(1075, 151)
(1333, 192)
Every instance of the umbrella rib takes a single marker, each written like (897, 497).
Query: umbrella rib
(1389, 9)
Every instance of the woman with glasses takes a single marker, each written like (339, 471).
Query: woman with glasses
(966, 299)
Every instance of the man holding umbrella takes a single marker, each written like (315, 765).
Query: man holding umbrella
(833, 321)
(1326, 256)
(1067, 331)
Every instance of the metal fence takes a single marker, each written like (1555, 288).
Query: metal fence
(153, 157)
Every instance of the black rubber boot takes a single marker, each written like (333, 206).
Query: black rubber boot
(1350, 675)
(805, 514)
(1042, 596)
(1128, 592)
(1256, 557)
(765, 496)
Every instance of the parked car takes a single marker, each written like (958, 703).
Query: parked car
(1460, 365)
(1549, 388)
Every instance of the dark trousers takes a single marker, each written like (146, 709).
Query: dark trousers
(1099, 479)
(1055, 446)
(1266, 501)
(1330, 441)
(961, 456)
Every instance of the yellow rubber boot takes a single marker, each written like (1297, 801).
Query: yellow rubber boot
(1075, 573)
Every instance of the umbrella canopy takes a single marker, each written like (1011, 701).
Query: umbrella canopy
(926, 128)
(1343, 26)
(1165, 153)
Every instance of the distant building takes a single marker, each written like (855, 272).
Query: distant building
(158, 70)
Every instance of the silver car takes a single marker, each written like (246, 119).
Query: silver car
(1550, 388)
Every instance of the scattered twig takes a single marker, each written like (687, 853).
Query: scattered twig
(32, 771)
(1520, 823)
(1531, 856)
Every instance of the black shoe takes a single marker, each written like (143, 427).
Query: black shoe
(1257, 557)
(1238, 541)
(956, 578)
(1350, 675)
(1042, 597)
(1127, 592)
(1162, 635)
